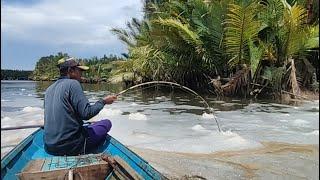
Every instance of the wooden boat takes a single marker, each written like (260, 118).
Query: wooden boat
(111, 160)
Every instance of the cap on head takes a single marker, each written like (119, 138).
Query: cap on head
(71, 62)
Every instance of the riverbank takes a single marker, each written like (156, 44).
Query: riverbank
(287, 97)
(310, 95)
(305, 95)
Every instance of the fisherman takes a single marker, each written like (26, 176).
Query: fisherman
(65, 108)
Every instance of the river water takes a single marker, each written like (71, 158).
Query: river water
(172, 130)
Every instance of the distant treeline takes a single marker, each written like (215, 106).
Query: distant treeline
(100, 68)
(7, 74)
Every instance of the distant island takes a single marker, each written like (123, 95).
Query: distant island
(8, 74)
(104, 69)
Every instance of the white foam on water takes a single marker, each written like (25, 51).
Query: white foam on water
(283, 120)
(29, 94)
(160, 98)
(187, 100)
(227, 140)
(32, 122)
(229, 133)
(31, 109)
(198, 127)
(315, 132)
(5, 100)
(93, 98)
(300, 122)
(22, 89)
(142, 135)
(229, 104)
(133, 104)
(138, 139)
(209, 143)
(6, 122)
(15, 136)
(207, 116)
(137, 116)
(106, 112)
(218, 102)
(5, 119)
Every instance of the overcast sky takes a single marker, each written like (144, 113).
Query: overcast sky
(31, 29)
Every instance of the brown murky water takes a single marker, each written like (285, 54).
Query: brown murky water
(272, 161)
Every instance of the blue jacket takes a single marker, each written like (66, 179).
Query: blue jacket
(65, 108)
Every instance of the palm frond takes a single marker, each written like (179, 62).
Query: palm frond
(295, 19)
(241, 25)
(183, 30)
(274, 76)
(272, 13)
(124, 36)
(313, 37)
(256, 53)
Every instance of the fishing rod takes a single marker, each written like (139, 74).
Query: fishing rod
(178, 85)
(32, 126)
(22, 127)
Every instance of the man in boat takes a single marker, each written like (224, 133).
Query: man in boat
(65, 108)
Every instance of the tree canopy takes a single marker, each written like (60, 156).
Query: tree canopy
(270, 42)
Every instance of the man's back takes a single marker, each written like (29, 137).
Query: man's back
(59, 113)
(61, 124)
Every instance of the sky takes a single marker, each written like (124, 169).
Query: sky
(31, 29)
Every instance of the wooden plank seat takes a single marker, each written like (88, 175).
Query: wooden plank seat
(89, 167)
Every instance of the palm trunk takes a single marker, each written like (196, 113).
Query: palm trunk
(293, 78)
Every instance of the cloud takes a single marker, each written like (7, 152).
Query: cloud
(72, 22)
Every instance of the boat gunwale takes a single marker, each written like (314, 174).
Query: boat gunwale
(128, 152)
(16, 150)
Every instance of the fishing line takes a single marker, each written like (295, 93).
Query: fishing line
(178, 85)
(138, 90)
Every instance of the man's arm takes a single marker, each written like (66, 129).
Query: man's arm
(81, 104)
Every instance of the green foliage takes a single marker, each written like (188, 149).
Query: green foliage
(99, 68)
(274, 75)
(46, 67)
(7, 74)
(256, 53)
(188, 40)
(241, 28)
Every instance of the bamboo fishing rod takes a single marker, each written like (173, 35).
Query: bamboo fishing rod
(22, 127)
(178, 85)
(32, 126)
(132, 87)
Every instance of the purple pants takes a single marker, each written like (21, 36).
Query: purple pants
(97, 133)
